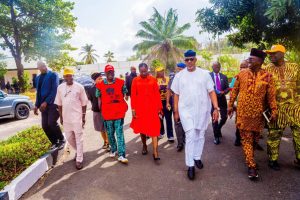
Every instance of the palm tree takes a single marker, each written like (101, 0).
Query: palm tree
(163, 38)
(89, 55)
(109, 56)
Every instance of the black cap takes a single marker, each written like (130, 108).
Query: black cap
(258, 53)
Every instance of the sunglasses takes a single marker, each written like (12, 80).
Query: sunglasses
(189, 59)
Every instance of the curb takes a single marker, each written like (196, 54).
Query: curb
(22, 183)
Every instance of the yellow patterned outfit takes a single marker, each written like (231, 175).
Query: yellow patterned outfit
(287, 83)
(256, 92)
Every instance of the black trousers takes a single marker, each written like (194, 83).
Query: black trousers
(217, 126)
(169, 122)
(237, 135)
(50, 125)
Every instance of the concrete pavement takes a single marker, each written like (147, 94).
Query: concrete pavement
(224, 175)
(9, 127)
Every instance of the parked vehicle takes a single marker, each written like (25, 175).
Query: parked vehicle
(14, 106)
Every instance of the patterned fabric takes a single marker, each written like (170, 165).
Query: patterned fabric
(256, 91)
(163, 85)
(112, 127)
(287, 83)
(248, 139)
(274, 138)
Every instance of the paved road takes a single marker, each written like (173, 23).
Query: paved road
(223, 175)
(9, 127)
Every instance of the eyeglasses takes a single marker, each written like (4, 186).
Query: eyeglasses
(189, 59)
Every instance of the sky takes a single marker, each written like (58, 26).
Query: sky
(112, 25)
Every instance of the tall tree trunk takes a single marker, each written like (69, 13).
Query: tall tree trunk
(20, 70)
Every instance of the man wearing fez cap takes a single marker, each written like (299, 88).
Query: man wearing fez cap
(256, 92)
(287, 82)
(193, 97)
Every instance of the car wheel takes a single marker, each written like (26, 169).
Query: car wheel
(22, 111)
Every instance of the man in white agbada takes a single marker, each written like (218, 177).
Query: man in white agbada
(194, 95)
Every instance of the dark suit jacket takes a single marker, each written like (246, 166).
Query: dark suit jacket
(128, 82)
(224, 87)
(48, 89)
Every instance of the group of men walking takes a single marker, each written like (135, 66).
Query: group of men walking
(192, 96)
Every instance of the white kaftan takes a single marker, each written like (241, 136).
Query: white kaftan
(194, 104)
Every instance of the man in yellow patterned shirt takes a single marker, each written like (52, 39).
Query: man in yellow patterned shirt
(287, 82)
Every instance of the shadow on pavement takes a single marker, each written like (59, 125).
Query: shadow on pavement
(223, 176)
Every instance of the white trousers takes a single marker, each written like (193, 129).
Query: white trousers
(76, 142)
(194, 146)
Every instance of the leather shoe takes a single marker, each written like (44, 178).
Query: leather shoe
(79, 165)
(274, 165)
(217, 141)
(199, 164)
(179, 148)
(252, 173)
(191, 173)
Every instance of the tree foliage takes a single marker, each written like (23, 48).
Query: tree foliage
(89, 55)
(262, 22)
(35, 28)
(163, 39)
(109, 56)
(3, 66)
(61, 61)
(229, 65)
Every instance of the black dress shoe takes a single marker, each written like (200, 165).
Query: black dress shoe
(217, 141)
(199, 164)
(179, 148)
(191, 173)
(274, 165)
(252, 173)
(297, 163)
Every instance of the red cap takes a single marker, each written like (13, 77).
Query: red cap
(109, 68)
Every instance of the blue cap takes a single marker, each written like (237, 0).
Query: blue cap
(181, 65)
(190, 53)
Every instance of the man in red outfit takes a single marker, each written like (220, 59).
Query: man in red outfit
(112, 92)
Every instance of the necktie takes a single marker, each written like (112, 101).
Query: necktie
(218, 83)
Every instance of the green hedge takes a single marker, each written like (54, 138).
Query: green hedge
(20, 151)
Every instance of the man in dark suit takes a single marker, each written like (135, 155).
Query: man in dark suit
(129, 79)
(221, 89)
(46, 88)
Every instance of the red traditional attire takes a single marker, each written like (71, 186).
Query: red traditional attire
(145, 100)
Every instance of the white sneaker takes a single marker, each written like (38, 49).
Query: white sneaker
(112, 155)
(123, 160)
